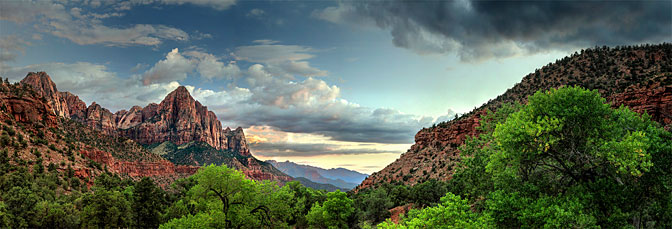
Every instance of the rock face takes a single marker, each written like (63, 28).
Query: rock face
(42, 84)
(26, 109)
(76, 107)
(179, 119)
(139, 168)
(637, 77)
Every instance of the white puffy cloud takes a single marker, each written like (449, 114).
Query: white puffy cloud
(174, 67)
(177, 66)
(211, 66)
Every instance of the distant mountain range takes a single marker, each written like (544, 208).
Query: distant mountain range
(344, 179)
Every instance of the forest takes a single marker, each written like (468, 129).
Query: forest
(567, 158)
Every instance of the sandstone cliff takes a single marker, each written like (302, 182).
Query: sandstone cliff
(637, 77)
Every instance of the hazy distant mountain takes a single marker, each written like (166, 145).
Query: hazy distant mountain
(339, 177)
(314, 185)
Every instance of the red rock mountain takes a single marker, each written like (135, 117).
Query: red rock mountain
(178, 119)
(35, 127)
(638, 77)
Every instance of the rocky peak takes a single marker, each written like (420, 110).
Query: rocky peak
(76, 107)
(237, 141)
(42, 84)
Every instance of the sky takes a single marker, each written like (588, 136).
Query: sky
(325, 83)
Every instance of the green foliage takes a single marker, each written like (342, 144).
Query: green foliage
(428, 193)
(211, 219)
(567, 159)
(219, 189)
(106, 209)
(333, 213)
(147, 203)
(452, 212)
(374, 205)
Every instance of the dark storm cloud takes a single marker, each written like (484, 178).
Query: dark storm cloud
(485, 29)
(307, 150)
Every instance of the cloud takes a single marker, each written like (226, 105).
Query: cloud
(174, 67)
(10, 48)
(214, 4)
(26, 11)
(210, 66)
(492, 29)
(255, 13)
(177, 66)
(306, 150)
(280, 59)
(86, 28)
(273, 53)
(315, 107)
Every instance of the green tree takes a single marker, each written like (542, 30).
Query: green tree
(374, 205)
(428, 192)
(106, 209)
(452, 212)
(242, 201)
(147, 203)
(333, 213)
(568, 158)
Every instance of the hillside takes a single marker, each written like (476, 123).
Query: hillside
(343, 178)
(202, 154)
(639, 77)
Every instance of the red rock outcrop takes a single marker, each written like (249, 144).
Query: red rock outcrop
(255, 171)
(42, 84)
(139, 168)
(178, 118)
(26, 108)
(395, 213)
(76, 107)
(654, 98)
(236, 141)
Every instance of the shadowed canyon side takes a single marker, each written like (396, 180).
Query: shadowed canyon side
(637, 77)
(179, 119)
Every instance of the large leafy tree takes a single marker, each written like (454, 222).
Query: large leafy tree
(225, 193)
(335, 212)
(567, 159)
